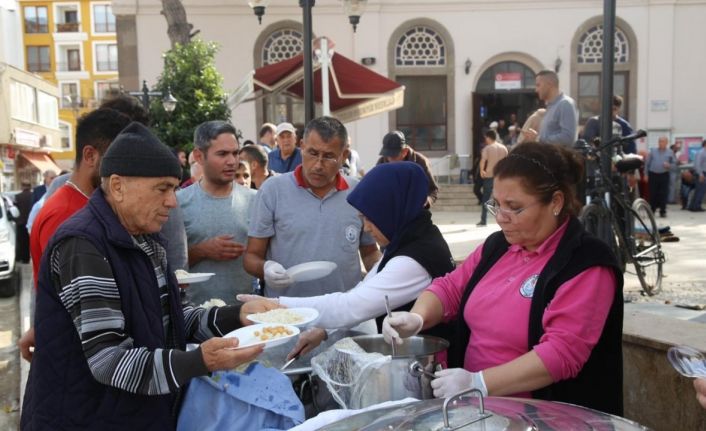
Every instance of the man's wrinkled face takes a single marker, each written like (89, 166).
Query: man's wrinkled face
(144, 203)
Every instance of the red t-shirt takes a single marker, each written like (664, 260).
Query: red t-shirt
(59, 207)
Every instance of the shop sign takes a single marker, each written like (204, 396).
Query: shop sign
(27, 138)
(8, 166)
(508, 81)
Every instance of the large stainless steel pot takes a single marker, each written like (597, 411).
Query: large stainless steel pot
(408, 374)
(488, 414)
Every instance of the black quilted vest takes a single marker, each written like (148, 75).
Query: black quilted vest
(61, 392)
(599, 384)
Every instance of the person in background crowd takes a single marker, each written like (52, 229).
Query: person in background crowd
(700, 179)
(303, 216)
(54, 186)
(128, 105)
(395, 149)
(674, 173)
(216, 213)
(195, 172)
(592, 129)
(39, 191)
(258, 161)
(391, 199)
(511, 138)
(351, 165)
(267, 136)
(539, 305)
(492, 153)
(502, 130)
(109, 355)
(532, 124)
(23, 202)
(687, 187)
(183, 162)
(560, 122)
(287, 156)
(242, 174)
(657, 166)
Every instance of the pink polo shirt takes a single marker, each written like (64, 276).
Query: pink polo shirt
(498, 310)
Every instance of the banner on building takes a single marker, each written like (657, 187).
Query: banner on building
(508, 81)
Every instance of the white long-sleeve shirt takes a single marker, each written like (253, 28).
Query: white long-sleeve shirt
(402, 280)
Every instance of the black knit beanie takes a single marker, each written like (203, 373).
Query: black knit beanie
(137, 152)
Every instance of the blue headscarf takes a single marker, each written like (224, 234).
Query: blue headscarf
(391, 195)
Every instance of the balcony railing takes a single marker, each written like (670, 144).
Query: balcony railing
(67, 27)
(69, 66)
(107, 66)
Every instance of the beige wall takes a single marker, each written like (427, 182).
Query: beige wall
(670, 37)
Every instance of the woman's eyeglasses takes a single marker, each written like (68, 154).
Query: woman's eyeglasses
(494, 208)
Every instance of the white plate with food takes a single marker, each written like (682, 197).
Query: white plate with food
(311, 270)
(286, 316)
(184, 277)
(269, 334)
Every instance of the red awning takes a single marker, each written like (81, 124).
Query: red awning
(354, 90)
(41, 161)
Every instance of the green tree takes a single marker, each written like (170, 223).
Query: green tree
(191, 75)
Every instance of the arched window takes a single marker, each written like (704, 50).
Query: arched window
(590, 46)
(420, 46)
(282, 45)
(280, 41)
(587, 59)
(420, 59)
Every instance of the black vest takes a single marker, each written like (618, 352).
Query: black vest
(599, 384)
(423, 242)
(62, 393)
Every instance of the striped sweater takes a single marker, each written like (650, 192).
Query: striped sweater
(87, 289)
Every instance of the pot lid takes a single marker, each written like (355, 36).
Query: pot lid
(500, 414)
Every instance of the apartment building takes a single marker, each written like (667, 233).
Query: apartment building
(73, 44)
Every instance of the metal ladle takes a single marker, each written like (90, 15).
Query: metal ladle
(389, 315)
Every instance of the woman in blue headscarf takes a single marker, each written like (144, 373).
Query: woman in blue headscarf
(391, 199)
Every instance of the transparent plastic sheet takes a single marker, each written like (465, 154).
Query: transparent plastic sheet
(345, 368)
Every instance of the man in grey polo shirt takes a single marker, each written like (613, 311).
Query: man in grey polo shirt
(303, 216)
(560, 123)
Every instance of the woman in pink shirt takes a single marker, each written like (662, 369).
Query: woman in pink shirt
(538, 306)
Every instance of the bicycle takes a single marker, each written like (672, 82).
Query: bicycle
(628, 226)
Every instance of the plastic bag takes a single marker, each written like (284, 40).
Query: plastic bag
(345, 367)
(257, 399)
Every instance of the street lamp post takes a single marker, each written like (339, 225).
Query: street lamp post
(353, 8)
(169, 102)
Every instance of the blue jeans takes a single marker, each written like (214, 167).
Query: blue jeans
(487, 193)
(698, 195)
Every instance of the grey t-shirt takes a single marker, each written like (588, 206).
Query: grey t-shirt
(560, 123)
(304, 228)
(205, 217)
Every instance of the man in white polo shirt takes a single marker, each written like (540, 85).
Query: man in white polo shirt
(303, 216)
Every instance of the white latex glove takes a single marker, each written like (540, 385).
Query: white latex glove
(275, 275)
(454, 380)
(401, 324)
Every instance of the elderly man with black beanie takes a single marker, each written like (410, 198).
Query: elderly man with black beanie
(111, 332)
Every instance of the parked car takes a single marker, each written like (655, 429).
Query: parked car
(9, 275)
